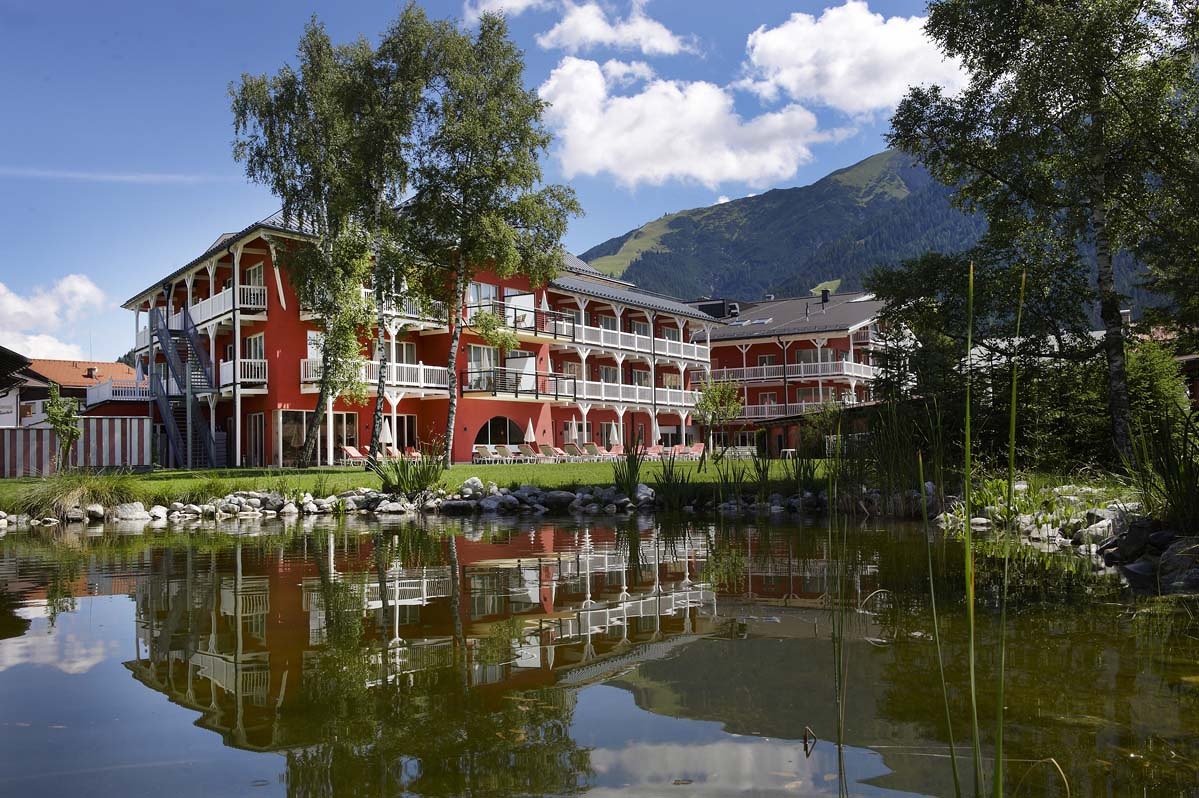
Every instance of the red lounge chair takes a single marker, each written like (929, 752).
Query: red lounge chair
(351, 456)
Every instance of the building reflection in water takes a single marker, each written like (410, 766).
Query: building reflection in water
(238, 635)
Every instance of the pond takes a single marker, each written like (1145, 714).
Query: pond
(633, 657)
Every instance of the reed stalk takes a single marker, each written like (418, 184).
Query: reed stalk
(969, 542)
(932, 597)
(997, 783)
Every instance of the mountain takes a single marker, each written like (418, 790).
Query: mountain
(789, 241)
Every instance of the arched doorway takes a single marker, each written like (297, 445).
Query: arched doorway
(500, 429)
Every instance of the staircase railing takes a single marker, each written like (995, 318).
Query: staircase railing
(197, 350)
(204, 433)
(176, 450)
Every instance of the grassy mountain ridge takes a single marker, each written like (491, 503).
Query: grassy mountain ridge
(881, 210)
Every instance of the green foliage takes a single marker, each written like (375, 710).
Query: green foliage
(760, 467)
(412, 476)
(717, 404)
(490, 327)
(1165, 469)
(879, 211)
(726, 565)
(626, 471)
(66, 490)
(673, 485)
(730, 479)
(63, 417)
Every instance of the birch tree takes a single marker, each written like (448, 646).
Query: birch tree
(478, 199)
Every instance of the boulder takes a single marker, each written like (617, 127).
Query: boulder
(1142, 574)
(643, 494)
(76, 515)
(177, 507)
(459, 507)
(557, 499)
(490, 504)
(1178, 571)
(130, 511)
(289, 509)
(158, 512)
(1134, 539)
(1095, 533)
(471, 487)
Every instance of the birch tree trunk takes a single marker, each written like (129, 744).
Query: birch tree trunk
(461, 280)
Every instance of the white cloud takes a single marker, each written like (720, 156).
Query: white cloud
(722, 199)
(627, 72)
(671, 130)
(473, 9)
(29, 323)
(113, 177)
(849, 58)
(585, 26)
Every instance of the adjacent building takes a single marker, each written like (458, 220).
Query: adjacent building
(793, 356)
(233, 361)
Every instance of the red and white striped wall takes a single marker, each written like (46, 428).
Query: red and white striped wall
(106, 442)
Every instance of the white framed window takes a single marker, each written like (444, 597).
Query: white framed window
(671, 380)
(639, 327)
(606, 322)
(576, 431)
(671, 333)
(405, 352)
(609, 374)
(480, 361)
(479, 297)
(767, 360)
(641, 378)
(572, 368)
(608, 433)
(253, 275)
(254, 347)
(768, 398)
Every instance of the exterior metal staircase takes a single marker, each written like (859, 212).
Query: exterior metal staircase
(189, 376)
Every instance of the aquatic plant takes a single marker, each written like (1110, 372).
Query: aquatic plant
(730, 479)
(673, 485)
(56, 495)
(626, 471)
(760, 467)
(408, 475)
(1164, 469)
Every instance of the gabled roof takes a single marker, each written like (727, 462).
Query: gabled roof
(579, 266)
(10, 364)
(276, 221)
(800, 316)
(625, 294)
(73, 373)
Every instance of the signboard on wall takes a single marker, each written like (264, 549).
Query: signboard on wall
(315, 341)
(8, 409)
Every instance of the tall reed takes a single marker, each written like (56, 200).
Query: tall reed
(1007, 533)
(969, 542)
(673, 485)
(932, 600)
(626, 471)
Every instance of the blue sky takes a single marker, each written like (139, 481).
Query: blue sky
(115, 164)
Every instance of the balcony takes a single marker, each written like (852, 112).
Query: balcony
(529, 321)
(799, 371)
(619, 393)
(408, 307)
(776, 409)
(401, 375)
(253, 371)
(519, 384)
(252, 300)
(640, 344)
(119, 391)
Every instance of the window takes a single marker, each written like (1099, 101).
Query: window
(767, 360)
(480, 296)
(671, 334)
(768, 398)
(405, 352)
(253, 275)
(609, 433)
(609, 374)
(639, 327)
(641, 378)
(671, 380)
(606, 322)
(480, 364)
(572, 368)
(576, 431)
(254, 348)
(295, 426)
(823, 355)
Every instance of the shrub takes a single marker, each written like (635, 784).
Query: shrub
(1165, 470)
(673, 485)
(67, 490)
(414, 475)
(626, 472)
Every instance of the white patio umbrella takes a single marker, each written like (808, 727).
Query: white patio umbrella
(530, 433)
(613, 436)
(385, 437)
(139, 373)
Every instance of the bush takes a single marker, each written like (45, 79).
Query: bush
(1165, 470)
(55, 495)
(409, 476)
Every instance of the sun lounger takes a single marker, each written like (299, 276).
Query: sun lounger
(552, 454)
(508, 455)
(530, 453)
(566, 456)
(574, 451)
(596, 452)
(351, 456)
(483, 455)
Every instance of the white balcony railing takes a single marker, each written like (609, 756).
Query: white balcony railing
(635, 394)
(118, 391)
(252, 300)
(776, 409)
(252, 297)
(253, 370)
(831, 368)
(642, 344)
(406, 375)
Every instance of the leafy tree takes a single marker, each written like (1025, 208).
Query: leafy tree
(718, 404)
(1056, 138)
(295, 131)
(478, 201)
(63, 415)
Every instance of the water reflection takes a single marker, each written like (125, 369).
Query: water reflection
(552, 659)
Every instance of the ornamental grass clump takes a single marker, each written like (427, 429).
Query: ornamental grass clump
(412, 475)
(56, 495)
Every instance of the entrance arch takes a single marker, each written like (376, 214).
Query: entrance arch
(500, 429)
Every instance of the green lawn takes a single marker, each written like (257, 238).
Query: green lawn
(166, 486)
